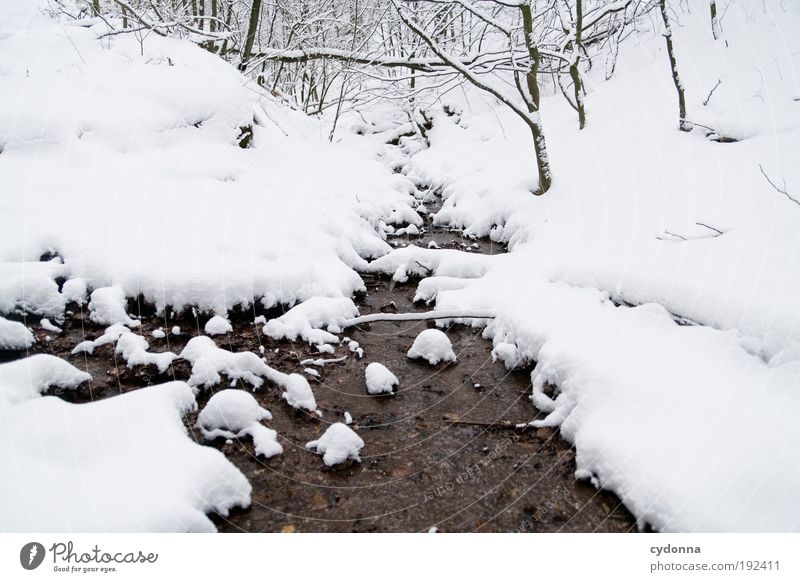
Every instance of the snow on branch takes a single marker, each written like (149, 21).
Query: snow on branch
(427, 315)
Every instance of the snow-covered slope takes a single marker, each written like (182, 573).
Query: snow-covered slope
(692, 426)
(124, 160)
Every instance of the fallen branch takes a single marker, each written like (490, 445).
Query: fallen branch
(712, 92)
(502, 424)
(783, 191)
(424, 316)
(718, 231)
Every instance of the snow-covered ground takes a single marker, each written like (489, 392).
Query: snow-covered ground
(122, 161)
(692, 426)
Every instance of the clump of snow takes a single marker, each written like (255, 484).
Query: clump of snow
(433, 346)
(74, 290)
(410, 230)
(338, 444)
(133, 348)
(235, 413)
(158, 333)
(379, 379)
(176, 330)
(146, 475)
(356, 348)
(14, 335)
(48, 326)
(28, 287)
(218, 325)
(109, 336)
(209, 361)
(306, 320)
(26, 379)
(348, 418)
(107, 307)
(298, 393)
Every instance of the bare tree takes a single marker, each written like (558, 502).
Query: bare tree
(673, 63)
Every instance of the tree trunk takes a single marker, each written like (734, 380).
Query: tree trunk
(539, 144)
(574, 72)
(682, 125)
(714, 21)
(252, 30)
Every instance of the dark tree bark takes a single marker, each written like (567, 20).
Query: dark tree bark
(252, 29)
(682, 125)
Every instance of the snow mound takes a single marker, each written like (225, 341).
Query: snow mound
(234, 414)
(433, 346)
(218, 325)
(124, 464)
(107, 307)
(338, 443)
(28, 378)
(14, 335)
(209, 361)
(379, 379)
(47, 325)
(30, 287)
(298, 393)
(131, 346)
(306, 319)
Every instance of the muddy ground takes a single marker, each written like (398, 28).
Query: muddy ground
(442, 452)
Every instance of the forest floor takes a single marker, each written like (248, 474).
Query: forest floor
(442, 452)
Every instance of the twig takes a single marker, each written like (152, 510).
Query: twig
(782, 191)
(427, 315)
(712, 92)
(672, 234)
(718, 231)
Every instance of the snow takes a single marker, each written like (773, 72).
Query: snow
(356, 348)
(143, 127)
(133, 348)
(433, 346)
(209, 361)
(348, 418)
(167, 482)
(218, 325)
(107, 307)
(379, 379)
(26, 379)
(235, 413)
(158, 334)
(48, 326)
(14, 335)
(338, 444)
(670, 417)
(645, 229)
(298, 393)
(307, 319)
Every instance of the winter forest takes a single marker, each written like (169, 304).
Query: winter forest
(399, 265)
